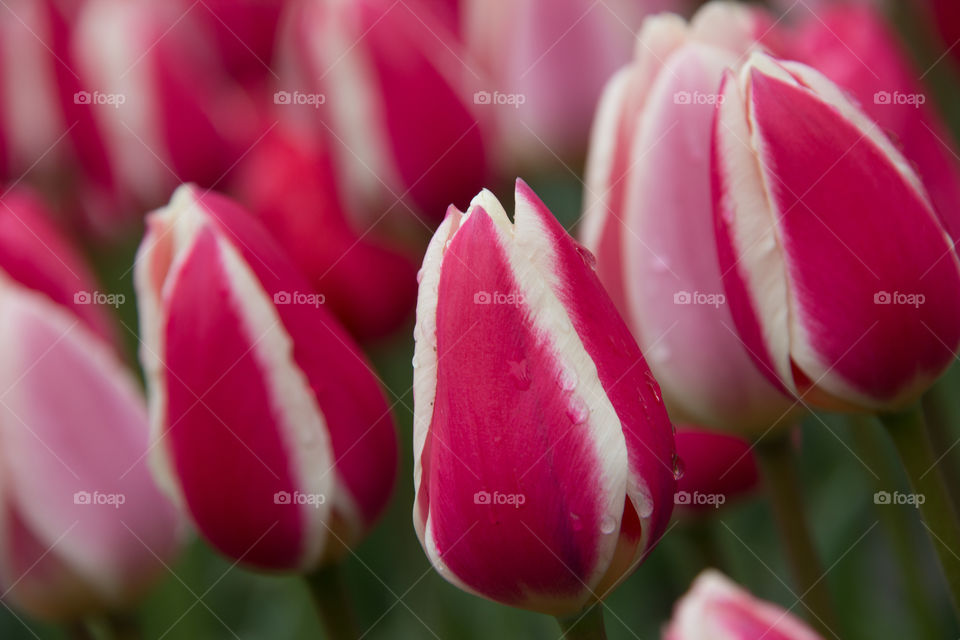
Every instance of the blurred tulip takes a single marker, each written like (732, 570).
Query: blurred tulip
(718, 467)
(83, 527)
(548, 60)
(853, 46)
(945, 16)
(246, 367)
(544, 459)
(35, 254)
(163, 106)
(842, 280)
(717, 609)
(648, 218)
(384, 83)
(290, 185)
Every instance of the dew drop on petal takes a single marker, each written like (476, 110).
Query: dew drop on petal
(419, 275)
(575, 522)
(578, 411)
(644, 500)
(588, 258)
(608, 524)
(654, 386)
(678, 467)
(567, 379)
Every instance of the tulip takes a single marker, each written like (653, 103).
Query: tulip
(717, 468)
(533, 51)
(853, 46)
(245, 367)
(648, 219)
(164, 111)
(290, 185)
(544, 458)
(718, 609)
(385, 83)
(841, 278)
(83, 527)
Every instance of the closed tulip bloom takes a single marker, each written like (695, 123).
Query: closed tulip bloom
(717, 609)
(648, 218)
(718, 467)
(83, 526)
(397, 107)
(544, 458)
(842, 279)
(269, 427)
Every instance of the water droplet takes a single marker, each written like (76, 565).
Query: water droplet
(578, 411)
(654, 387)
(608, 524)
(419, 275)
(678, 467)
(588, 258)
(644, 501)
(519, 374)
(567, 379)
(575, 522)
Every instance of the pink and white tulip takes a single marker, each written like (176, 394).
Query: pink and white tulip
(842, 280)
(398, 108)
(83, 526)
(648, 218)
(544, 458)
(245, 367)
(717, 609)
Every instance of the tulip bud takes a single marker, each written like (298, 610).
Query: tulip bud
(160, 99)
(841, 278)
(290, 185)
(853, 46)
(648, 218)
(385, 83)
(718, 468)
(718, 609)
(83, 527)
(246, 367)
(544, 458)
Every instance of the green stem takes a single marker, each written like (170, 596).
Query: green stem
(333, 606)
(868, 439)
(910, 437)
(586, 625)
(705, 542)
(776, 458)
(940, 409)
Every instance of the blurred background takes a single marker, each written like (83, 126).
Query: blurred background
(349, 126)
